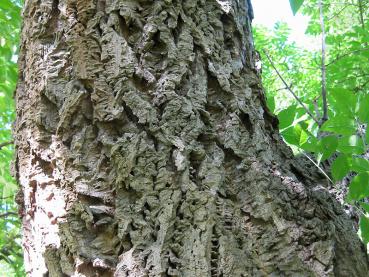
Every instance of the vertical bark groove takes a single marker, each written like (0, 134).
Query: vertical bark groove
(144, 148)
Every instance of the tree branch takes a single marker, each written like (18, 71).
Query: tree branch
(361, 13)
(289, 88)
(7, 214)
(6, 197)
(5, 144)
(323, 69)
(316, 106)
(345, 55)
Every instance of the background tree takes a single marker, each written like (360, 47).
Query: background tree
(144, 147)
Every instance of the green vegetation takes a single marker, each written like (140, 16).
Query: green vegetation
(328, 117)
(11, 260)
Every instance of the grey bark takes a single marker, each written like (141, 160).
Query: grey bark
(144, 148)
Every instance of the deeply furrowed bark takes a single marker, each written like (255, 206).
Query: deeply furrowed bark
(144, 148)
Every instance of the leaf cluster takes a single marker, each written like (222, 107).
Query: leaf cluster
(341, 143)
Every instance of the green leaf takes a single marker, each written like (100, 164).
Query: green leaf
(327, 147)
(290, 136)
(295, 5)
(6, 4)
(351, 145)
(360, 165)
(344, 101)
(271, 103)
(308, 141)
(312, 145)
(302, 135)
(340, 125)
(340, 167)
(364, 229)
(286, 117)
(365, 206)
(363, 112)
(296, 135)
(359, 187)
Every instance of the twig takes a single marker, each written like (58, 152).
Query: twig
(289, 88)
(361, 13)
(324, 79)
(7, 197)
(4, 256)
(5, 144)
(352, 78)
(7, 214)
(337, 14)
(320, 169)
(316, 106)
(345, 55)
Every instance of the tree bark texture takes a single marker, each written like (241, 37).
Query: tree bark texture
(144, 148)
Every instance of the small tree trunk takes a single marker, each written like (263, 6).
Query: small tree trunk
(144, 148)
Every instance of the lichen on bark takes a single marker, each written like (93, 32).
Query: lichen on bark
(145, 148)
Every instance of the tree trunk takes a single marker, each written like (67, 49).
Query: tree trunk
(144, 148)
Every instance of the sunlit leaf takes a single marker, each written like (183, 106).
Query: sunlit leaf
(340, 167)
(363, 112)
(286, 117)
(345, 101)
(327, 147)
(271, 103)
(351, 145)
(291, 136)
(359, 165)
(365, 206)
(359, 187)
(340, 125)
(364, 228)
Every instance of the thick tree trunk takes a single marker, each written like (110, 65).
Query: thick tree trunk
(144, 148)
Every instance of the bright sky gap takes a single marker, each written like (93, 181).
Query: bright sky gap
(269, 12)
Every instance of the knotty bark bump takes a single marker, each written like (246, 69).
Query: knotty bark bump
(144, 148)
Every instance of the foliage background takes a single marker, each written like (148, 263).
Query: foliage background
(339, 146)
(11, 260)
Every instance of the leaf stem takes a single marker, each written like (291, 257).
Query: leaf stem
(320, 169)
(323, 66)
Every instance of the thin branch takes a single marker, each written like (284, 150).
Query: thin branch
(5, 144)
(320, 169)
(324, 69)
(316, 106)
(343, 3)
(7, 214)
(345, 55)
(337, 14)
(7, 197)
(4, 256)
(361, 87)
(281, 89)
(289, 88)
(354, 77)
(361, 14)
